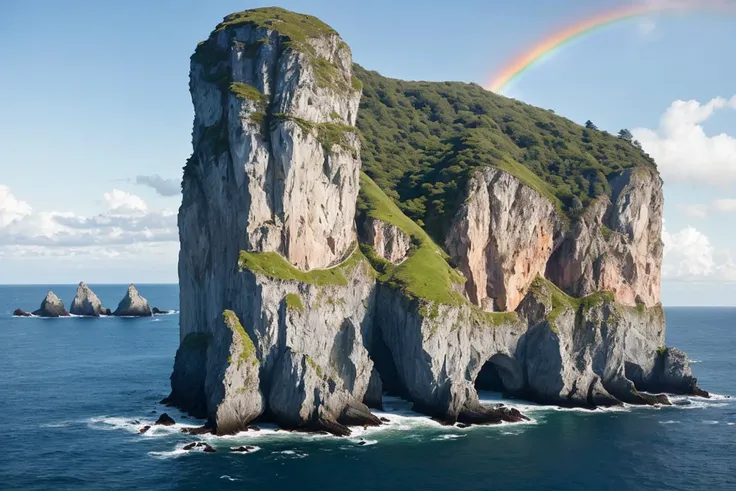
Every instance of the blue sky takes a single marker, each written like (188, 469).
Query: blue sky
(94, 104)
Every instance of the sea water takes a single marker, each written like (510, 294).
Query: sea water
(74, 393)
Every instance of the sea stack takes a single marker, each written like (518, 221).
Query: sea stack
(306, 291)
(133, 305)
(51, 306)
(86, 302)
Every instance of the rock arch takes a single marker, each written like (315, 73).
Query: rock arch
(500, 373)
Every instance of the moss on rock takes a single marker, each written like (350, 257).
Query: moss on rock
(248, 353)
(294, 302)
(273, 265)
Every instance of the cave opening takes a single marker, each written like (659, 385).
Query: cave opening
(500, 373)
(489, 379)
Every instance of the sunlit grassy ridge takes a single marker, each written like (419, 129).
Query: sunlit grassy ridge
(273, 265)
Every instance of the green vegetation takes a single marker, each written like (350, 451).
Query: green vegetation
(662, 350)
(297, 28)
(295, 31)
(423, 140)
(606, 232)
(208, 54)
(328, 75)
(272, 265)
(248, 92)
(258, 117)
(294, 302)
(560, 301)
(248, 352)
(196, 340)
(328, 134)
(314, 365)
(495, 319)
(425, 274)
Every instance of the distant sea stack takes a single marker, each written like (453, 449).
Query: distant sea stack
(133, 305)
(525, 258)
(86, 303)
(51, 306)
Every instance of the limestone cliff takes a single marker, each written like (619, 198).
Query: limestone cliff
(306, 292)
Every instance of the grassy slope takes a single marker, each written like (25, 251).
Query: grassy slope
(425, 275)
(423, 139)
(273, 265)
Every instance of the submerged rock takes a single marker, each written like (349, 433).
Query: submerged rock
(144, 429)
(86, 302)
(201, 430)
(51, 306)
(204, 446)
(133, 305)
(243, 448)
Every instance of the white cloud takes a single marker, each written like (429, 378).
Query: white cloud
(702, 210)
(694, 210)
(725, 205)
(682, 149)
(126, 229)
(689, 256)
(121, 203)
(11, 209)
(164, 187)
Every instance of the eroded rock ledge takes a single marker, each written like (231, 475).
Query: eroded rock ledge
(302, 302)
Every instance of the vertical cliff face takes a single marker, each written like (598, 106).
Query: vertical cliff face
(506, 234)
(285, 316)
(274, 132)
(274, 171)
(502, 238)
(616, 245)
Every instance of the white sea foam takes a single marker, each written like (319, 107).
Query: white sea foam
(451, 436)
(293, 454)
(709, 422)
(399, 422)
(134, 425)
(228, 478)
(57, 424)
(172, 454)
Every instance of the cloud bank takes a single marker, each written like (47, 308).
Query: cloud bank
(690, 256)
(164, 187)
(683, 150)
(126, 228)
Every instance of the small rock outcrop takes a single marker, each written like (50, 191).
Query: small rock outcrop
(388, 241)
(133, 305)
(156, 311)
(51, 306)
(86, 302)
(165, 420)
(21, 313)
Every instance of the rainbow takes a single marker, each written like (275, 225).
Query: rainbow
(567, 35)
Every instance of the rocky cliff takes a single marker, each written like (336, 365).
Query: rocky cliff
(306, 292)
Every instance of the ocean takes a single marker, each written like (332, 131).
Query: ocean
(75, 391)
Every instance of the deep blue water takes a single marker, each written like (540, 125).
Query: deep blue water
(71, 391)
